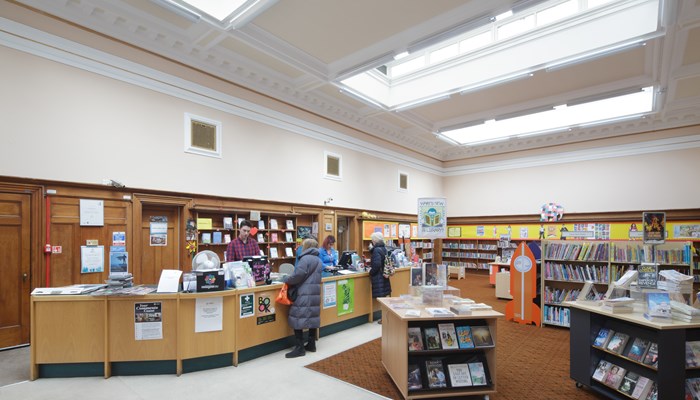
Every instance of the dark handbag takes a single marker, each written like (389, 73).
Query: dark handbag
(292, 293)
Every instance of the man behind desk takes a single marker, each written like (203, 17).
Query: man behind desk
(243, 245)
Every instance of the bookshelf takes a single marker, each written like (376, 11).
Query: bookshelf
(586, 322)
(277, 231)
(471, 254)
(392, 232)
(566, 264)
(397, 357)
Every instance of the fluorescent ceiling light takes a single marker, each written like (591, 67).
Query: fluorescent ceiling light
(558, 118)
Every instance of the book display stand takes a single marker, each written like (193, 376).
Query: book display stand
(641, 350)
(441, 355)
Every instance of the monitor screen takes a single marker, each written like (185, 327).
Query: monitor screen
(346, 258)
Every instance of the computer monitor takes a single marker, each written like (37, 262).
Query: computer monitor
(346, 259)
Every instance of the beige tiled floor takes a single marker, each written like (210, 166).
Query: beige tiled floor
(269, 377)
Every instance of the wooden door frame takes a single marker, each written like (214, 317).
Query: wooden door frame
(37, 216)
(141, 199)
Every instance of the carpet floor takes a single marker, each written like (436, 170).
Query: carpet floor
(532, 362)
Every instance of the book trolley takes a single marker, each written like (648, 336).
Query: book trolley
(397, 356)
(669, 372)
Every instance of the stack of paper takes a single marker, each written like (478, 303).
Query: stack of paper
(673, 281)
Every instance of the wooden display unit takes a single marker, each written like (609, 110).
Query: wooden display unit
(422, 247)
(396, 356)
(275, 234)
(586, 322)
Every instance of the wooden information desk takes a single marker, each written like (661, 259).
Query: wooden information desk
(586, 322)
(396, 356)
(95, 335)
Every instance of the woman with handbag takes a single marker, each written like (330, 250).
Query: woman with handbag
(381, 285)
(305, 284)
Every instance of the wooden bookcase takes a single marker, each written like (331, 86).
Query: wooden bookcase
(275, 235)
(396, 356)
(424, 248)
(586, 322)
(566, 264)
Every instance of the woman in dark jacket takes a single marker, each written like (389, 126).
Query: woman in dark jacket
(305, 312)
(381, 285)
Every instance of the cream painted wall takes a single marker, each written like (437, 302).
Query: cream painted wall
(63, 123)
(655, 181)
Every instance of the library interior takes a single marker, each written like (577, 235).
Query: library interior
(469, 199)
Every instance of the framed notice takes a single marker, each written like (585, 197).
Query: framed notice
(92, 259)
(92, 212)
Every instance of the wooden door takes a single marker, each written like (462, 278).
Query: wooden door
(156, 255)
(15, 261)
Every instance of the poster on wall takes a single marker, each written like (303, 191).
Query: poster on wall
(208, 316)
(654, 227)
(92, 259)
(432, 217)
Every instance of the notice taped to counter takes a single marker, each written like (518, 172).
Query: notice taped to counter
(148, 321)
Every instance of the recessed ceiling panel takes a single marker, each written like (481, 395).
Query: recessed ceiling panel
(329, 30)
(688, 88)
(692, 47)
(150, 8)
(241, 49)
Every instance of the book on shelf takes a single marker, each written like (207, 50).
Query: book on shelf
(274, 238)
(273, 224)
(432, 338)
(653, 392)
(477, 373)
(288, 237)
(436, 374)
(459, 375)
(261, 224)
(415, 339)
(261, 238)
(692, 354)
(637, 349)
(290, 224)
(448, 336)
(206, 237)
(204, 223)
(439, 312)
(227, 238)
(629, 382)
(658, 306)
(614, 376)
(415, 381)
(604, 335)
(601, 371)
(651, 357)
(617, 342)
(642, 388)
(692, 388)
(273, 252)
(228, 223)
(288, 252)
(464, 337)
(481, 334)
(217, 237)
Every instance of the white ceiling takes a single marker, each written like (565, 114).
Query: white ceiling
(296, 50)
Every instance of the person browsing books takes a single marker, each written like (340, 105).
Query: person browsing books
(243, 245)
(381, 286)
(327, 254)
(305, 312)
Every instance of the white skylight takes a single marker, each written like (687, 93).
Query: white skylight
(497, 50)
(560, 117)
(218, 9)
